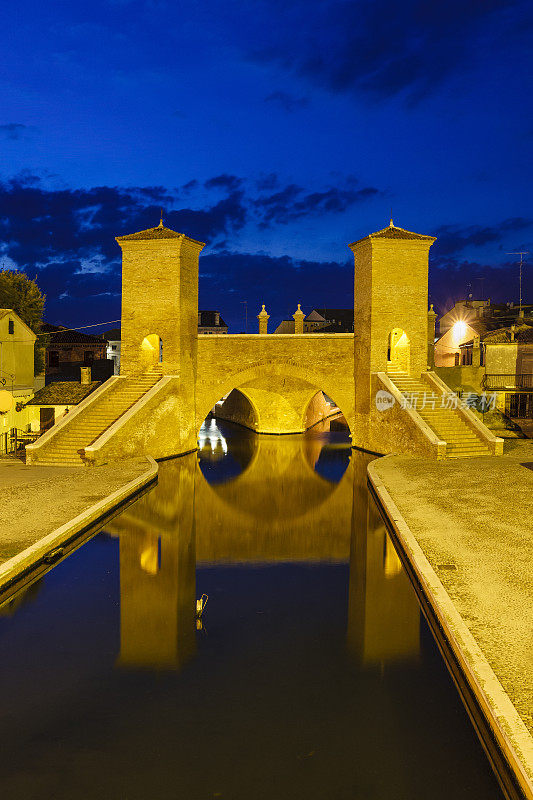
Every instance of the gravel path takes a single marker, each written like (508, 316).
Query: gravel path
(34, 501)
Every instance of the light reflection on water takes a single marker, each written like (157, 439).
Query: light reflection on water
(313, 674)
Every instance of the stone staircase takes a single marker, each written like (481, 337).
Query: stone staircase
(446, 423)
(62, 449)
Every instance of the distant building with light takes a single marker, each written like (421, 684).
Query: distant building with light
(470, 319)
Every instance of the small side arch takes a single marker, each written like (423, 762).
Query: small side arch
(399, 351)
(151, 350)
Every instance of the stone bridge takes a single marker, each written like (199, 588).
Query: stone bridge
(171, 377)
(279, 375)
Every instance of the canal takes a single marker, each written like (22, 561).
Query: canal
(310, 674)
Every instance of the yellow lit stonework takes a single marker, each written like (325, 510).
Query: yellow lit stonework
(172, 378)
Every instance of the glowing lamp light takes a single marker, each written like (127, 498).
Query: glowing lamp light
(459, 329)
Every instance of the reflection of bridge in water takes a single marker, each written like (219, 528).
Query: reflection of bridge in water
(278, 509)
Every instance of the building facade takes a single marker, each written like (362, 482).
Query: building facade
(17, 346)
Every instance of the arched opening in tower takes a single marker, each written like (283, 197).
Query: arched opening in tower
(152, 350)
(398, 351)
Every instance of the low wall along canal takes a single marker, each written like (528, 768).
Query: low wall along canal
(310, 673)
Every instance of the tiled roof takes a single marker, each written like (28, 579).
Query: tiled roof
(113, 335)
(334, 327)
(522, 334)
(208, 320)
(62, 393)
(74, 337)
(159, 232)
(393, 232)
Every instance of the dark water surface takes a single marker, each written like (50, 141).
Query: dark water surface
(311, 675)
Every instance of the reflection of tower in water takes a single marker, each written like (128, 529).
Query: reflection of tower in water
(383, 611)
(158, 572)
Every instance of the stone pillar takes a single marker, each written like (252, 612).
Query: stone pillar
(432, 316)
(85, 377)
(263, 318)
(476, 352)
(298, 318)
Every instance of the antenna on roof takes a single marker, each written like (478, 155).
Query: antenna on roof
(520, 253)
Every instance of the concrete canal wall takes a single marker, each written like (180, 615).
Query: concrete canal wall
(463, 535)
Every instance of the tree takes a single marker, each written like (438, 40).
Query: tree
(20, 293)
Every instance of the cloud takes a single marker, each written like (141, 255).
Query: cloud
(66, 235)
(454, 239)
(383, 48)
(292, 202)
(286, 101)
(15, 130)
(230, 182)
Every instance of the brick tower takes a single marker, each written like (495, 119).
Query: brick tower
(390, 310)
(159, 301)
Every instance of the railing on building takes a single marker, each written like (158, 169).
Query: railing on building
(511, 382)
(15, 440)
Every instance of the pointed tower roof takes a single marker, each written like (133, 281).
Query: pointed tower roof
(159, 232)
(392, 231)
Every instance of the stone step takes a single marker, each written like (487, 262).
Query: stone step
(456, 448)
(450, 437)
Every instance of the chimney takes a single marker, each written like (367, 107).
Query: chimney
(217, 318)
(85, 376)
(476, 352)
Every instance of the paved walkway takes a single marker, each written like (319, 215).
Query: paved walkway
(37, 500)
(473, 520)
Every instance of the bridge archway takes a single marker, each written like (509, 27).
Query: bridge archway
(278, 393)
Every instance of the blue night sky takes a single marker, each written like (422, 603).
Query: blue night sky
(277, 132)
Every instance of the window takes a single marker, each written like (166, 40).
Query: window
(11, 327)
(519, 405)
(88, 357)
(53, 358)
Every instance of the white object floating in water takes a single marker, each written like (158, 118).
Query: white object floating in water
(200, 605)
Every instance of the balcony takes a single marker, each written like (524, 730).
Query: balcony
(508, 382)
